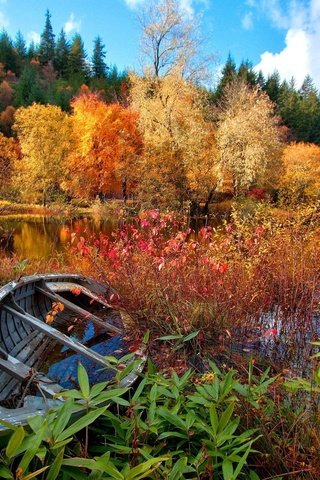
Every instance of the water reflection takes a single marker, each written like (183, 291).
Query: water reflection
(38, 237)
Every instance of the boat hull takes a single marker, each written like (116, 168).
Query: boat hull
(48, 324)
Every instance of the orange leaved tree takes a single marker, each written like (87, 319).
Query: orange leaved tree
(106, 143)
(301, 178)
(9, 154)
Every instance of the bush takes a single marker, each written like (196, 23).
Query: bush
(254, 275)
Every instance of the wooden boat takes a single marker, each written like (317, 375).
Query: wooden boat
(50, 323)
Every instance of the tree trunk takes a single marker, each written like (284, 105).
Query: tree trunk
(124, 190)
(205, 209)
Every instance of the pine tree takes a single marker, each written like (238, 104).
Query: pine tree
(229, 72)
(29, 89)
(78, 69)
(288, 104)
(32, 52)
(21, 50)
(308, 125)
(99, 67)
(47, 43)
(61, 57)
(20, 45)
(8, 54)
(261, 80)
(246, 73)
(272, 86)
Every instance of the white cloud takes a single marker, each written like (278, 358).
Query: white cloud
(300, 55)
(250, 3)
(33, 37)
(247, 21)
(187, 7)
(72, 24)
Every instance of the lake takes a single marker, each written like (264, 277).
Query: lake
(39, 237)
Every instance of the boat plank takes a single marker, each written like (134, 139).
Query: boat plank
(21, 372)
(58, 336)
(81, 311)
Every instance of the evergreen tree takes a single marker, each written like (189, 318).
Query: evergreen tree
(246, 73)
(300, 110)
(272, 86)
(32, 52)
(229, 72)
(61, 57)
(20, 45)
(21, 49)
(78, 69)
(47, 44)
(288, 104)
(8, 54)
(29, 89)
(261, 80)
(116, 85)
(99, 67)
(308, 88)
(308, 125)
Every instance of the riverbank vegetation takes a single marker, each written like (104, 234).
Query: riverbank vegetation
(217, 254)
(159, 137)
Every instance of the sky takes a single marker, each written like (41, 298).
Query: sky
(271, 34)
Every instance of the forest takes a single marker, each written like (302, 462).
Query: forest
(161, 137)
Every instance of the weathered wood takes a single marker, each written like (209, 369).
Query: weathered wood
(25, 338)
(21, 372)
(79, 310)
(68, 286)
(58, 336)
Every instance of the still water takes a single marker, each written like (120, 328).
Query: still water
(39, 237)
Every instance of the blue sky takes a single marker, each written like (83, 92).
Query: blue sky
(282, 34)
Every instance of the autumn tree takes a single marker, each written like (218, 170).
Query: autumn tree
(170, 41)
(44, 133)
(7, 120)
(301, 178)
(9, 154)
(6, 95)
(179, 161)
(106, 142)
(248, 138)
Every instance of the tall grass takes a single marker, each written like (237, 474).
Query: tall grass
(252, 277)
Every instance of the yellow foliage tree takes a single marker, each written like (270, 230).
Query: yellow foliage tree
(248, 138)
(44, 133)
(9, 154)
(179, 144)
(301, 178)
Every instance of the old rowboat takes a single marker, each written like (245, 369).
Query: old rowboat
(50, 323)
